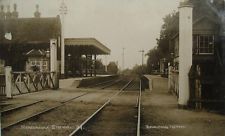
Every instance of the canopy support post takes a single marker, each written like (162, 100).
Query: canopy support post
(95, 56)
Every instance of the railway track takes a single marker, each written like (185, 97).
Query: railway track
(109, 84)
(9, 125)
(29, 118)
(139, 112)
(84, 120)
(3, 112)
(101, 83)
(80, 128)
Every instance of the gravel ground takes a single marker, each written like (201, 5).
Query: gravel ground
(118, 85)
(63, 120)
(60, 121)
(134, 86)
(161, 117)
(12, 117)
(119, 118)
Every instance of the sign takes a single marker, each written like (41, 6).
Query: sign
(8, 36)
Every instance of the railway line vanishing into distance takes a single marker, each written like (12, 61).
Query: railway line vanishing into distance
(119, 99)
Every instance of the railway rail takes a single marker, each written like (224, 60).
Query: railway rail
(107, 84)
(85, 122)
(107, 101)
(139, 112)
(19, 107)
(39, 113)
(101, 83)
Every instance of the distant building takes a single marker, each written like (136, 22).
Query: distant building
(20, 35)
(37, 60)
(163, 67)
(24, 42)
(2, 64)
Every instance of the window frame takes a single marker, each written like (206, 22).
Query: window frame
(202, 46)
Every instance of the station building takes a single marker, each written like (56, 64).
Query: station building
(37, 60)
(18, 36)
(25, 43)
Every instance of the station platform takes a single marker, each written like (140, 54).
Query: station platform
(65, 83)
(74, 82)
(63, 93)
(163, 117)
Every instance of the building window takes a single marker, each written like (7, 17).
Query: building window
(44, 66)
(203, 44)
(35, 64)
(38, 63)
(44, 63)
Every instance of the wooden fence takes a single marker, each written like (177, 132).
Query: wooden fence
(26, 82)
(2, 85)
(174, 82)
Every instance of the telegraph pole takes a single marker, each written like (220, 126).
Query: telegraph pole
(142, 59)
(63, 12)
(123, 59)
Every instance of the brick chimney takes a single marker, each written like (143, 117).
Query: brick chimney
(15, 14)
(8, 13)
(2, 13)
(185, 50)
(37, 14)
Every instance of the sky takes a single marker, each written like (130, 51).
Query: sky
(130, 24)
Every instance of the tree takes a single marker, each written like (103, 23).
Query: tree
(127, 71)
(163, 49)
(153, 59)
(171, 26)
(99, 64)
(112, 68)
(139, 70)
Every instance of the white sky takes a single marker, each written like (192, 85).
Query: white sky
(132, 24)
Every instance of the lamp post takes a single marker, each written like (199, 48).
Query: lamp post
(63, 12)
(48, 56)
(69, 65)
(164, 66)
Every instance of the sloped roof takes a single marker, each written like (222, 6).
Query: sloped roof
(197, 20)
(36, 53)
(201, 10)
(91, 45)
(30, 30)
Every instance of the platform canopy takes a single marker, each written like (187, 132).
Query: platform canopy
(86, 46)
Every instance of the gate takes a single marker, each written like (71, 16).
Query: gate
(173, 83)
(26, 82)
(2, 85)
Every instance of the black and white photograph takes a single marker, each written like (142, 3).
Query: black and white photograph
(112, 67)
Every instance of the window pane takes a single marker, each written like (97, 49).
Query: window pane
(206, 44)
(33, 63)
(38, 63)
(44, 63)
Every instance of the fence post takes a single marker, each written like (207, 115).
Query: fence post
(8, 81)
(150, 84)
(198, 91)
(169, 78)
(53, 62)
